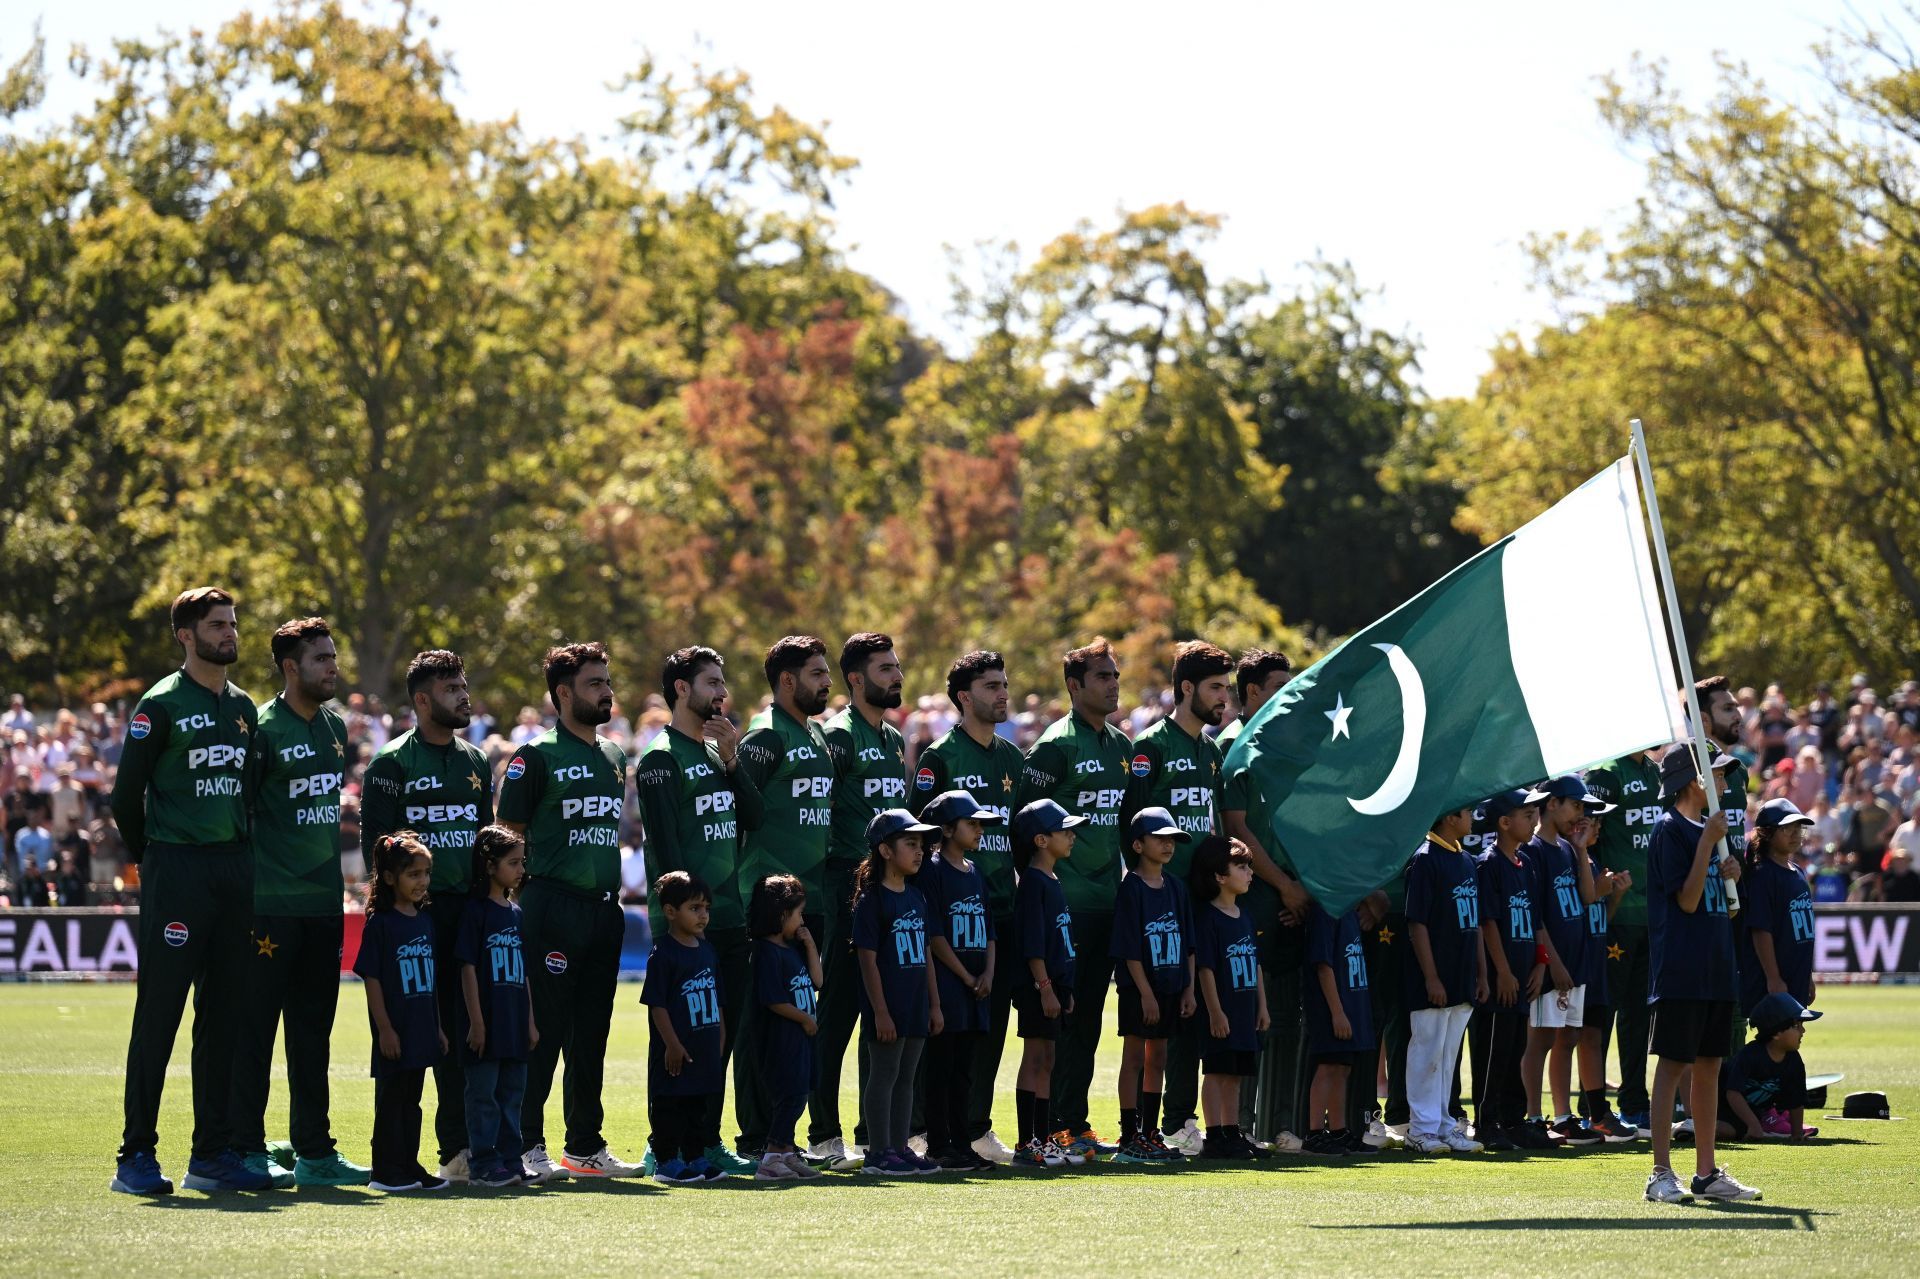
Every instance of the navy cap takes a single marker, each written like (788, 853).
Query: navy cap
(1507, 801)
(1780, 812)
(1570, 786)
(1156, 821)
(889, 822)
(1678, 767)
(1777, 1012)
(952, 806)
(1042, 817)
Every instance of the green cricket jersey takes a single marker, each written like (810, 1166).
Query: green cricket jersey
(1174, 770)
(1084, 770)
(295, 768)
(1632, 784)
(444, 794)
(1240, 793)
(788, 763)
(1733, 802)
(870, 774)
(182, 776)
(692, 811)
(991, 774)
(568, 794)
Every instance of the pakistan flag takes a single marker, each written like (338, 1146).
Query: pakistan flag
(1544, 653)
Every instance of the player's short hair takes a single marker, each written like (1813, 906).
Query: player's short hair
(190, 608)
(962, 674)
(772, 898)
(792, 653)
(433, 664)
(855, 653)
(678, 887)
(1078, 660)
(685, 664)
(563, 662)
(1712, 684)
(1212, 857)
(1257, 666)
(290, 639)
(1197, 660)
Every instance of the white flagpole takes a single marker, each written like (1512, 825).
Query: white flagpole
(1703, 751)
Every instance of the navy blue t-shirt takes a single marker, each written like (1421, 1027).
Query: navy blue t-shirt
(1557, 903)
(1443, 892)
(780, 976)
(957, 909)
(396, 950)
(1765, 1083)
(1598, 943)
(1336, 943)
(1152, 925)
(489, 939)
(1689, 955)
(1506, 898)
(685, 980)
(893, 925)
(1225, 946)
(1776, 901)
(1043, 929)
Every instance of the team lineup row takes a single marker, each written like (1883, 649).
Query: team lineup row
(233, 810)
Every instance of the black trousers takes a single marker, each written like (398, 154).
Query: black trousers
(1498, 1037)
(1080, 1035)
(1389, 950)
(579, 935)
(683, 1127)
(839, 1009)
(751, 1105)
(396, 1125)
(988, 1046)
(1627, 983)
(196, 917)
(1277, 1101)
(948, 1068)
(449, 1077)
(293, 975)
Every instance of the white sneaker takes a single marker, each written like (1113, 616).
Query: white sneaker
(1665, 1188)
(773, 1167)
(1378, 1136)
(802, 1170)
(602, 1163)
(1187, 1139)
(1053, 1156)
(457, 1169)
(540, 1168)
(833, 1155)
(1460, 1144)
(1286, 1144)
(918, 1144)
(992, 1149)
(1424, 1145)
(1722, 1186)
(1398, 1132)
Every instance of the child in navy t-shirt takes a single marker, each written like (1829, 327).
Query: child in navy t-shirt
(1232, 988)
(396, 964)
(898, 1003)
(964, 948)
(786, 975)
(1776, 910)
(686, 1054)
(1339, 1026)
(1446, 977)
(500, 1032)
(1153, 964)
(1043, 836)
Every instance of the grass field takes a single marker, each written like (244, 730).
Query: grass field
(1844, 1205)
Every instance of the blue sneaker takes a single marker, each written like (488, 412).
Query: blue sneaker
(674, 1172)
(1638, 1119)
(225, 1171)
(701, 1171)
(139, 1174)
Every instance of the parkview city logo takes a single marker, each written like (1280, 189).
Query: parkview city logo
(556, 962)
(516, 769)
(139, 726)
(1141, 766)
(175, 933)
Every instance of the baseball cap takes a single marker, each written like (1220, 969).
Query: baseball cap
(1777, 1012)
(1569, 786)
(1678, 767)
(1508, 801)
(1156, 821)
(952, 806)
(889, 822)
(1042, 817)
(1781, 812)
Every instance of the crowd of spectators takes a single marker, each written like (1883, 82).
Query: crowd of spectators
(1851, 761)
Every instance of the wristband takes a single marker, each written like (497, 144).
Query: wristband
(1540, 953)
(1043, 985)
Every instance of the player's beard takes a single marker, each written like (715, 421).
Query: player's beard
(224, 653)
(318, 693)
(709, 709)
(812, 703)
(592, 714)
(449, 716)
(881, 699)
(1211, 718)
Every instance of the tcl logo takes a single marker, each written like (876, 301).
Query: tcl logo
(591, 806)
(813, 787)
(296, 752)
(422, 783)
(192, 722)
(216, 757)
(318, 784)
(1089, 766)
(574, 773)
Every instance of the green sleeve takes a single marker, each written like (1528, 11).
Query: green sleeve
(138, 755)
(760, 756)
(479, 762)
(749, 808)
(918, 799)
(253, 779)
(841, 750)
(1140, 789)
(381, 808)
(519, 798)
(1046, 765)
(654, 785)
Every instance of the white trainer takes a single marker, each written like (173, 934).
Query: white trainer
(602, 1163)
(1053, 1156)
(1425, 1145)
(992, 1149)
(1378, 1136)
(1286, 1144)
(1665, 1188)
(458, 1169)
(918, 1144)
(833, 1155)
(1722, 1186)
(540, 1168)
(1187, 1139)
(773, 1167)
(1460, 1144)
(802, 1170)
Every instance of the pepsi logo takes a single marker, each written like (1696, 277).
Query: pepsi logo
(556, 962)
(923, 780)
(139, 726)
(1141, 766)
(175, 934)
(516, 769)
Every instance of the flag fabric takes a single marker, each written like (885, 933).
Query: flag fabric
(1544, 653)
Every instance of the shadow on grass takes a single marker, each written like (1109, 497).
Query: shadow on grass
(1719, 1216)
